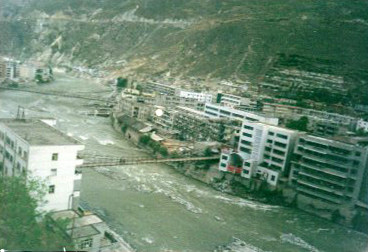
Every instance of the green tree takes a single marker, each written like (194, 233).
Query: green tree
(22, 226)
(163, 151)
(122, 82)
(144, 139)
(301, 124)
(207, 152)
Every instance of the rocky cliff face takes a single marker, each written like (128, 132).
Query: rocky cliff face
(235, 39)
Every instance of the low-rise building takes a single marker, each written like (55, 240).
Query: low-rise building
(89, 233)
(34, 149)
(362, 125)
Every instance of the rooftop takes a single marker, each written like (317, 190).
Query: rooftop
(36, 132)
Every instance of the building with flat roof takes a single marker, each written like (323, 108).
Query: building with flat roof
(329, 173)
(265, 151)
(9, 69)
(218, 111)
(32, 148)
(201, 97)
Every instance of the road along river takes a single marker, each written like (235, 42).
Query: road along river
(155, 208)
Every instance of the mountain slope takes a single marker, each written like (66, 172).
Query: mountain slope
(233, 39)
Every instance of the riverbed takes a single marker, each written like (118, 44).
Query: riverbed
(156, 208)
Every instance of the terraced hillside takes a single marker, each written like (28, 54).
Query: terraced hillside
(244, 40)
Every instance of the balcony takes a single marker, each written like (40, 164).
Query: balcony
(322, 178)
(319, 195)
(320, 187)
(325, 170)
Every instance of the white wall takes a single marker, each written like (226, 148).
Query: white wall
(40, 164)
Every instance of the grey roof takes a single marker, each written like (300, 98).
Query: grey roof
(37, 133)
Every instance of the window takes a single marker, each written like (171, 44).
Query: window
(246, 171)
(269, 141)
(86, 243)
(53, 172)
(51, 189)
(247, 135)
(223, 165)
(280, 144)
(271, 133)
(246, 142)
(224, 157)
(245, 150)
(248, 127)
(273, 177)
(358, 154)
(55, 157)
(282, 136)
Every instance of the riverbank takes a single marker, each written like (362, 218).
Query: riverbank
(236, 186)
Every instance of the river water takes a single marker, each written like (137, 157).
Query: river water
(155, 208)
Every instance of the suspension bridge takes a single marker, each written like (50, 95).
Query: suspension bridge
(91, 160)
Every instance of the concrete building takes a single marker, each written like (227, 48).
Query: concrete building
(136, 106)
(172, 101)
(217, 111)
(38, 151)
(158, 88)
(201, 97)
(292, 112)
(362, 125)
(9, 69)
(89, 232)
(190, 124)
(328, 173)
(265, 151)
(194, 125)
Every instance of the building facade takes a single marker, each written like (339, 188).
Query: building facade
(38, 151)
(265, 150)
(218, 111)
(9, 69)
(329, 174)
(201, 97)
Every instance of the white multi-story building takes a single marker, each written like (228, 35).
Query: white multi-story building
(230, 100)
(362, 125)
(201, 97)
(9, 69)
(264, 151)
(217, 111)
(39, 151)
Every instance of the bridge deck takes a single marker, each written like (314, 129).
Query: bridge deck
(100, 161)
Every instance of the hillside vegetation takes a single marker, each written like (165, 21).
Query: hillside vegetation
(243, 40)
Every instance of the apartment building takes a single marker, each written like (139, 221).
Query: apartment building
(293, 112)
(194, 125)
(174, 100)
(36, 150)
(329, 173)
(9, 69)
(158, 88)
(265, 150)
(139, 107)
(191, 124)
(218, 111)
(164, 121)
(200, 97)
